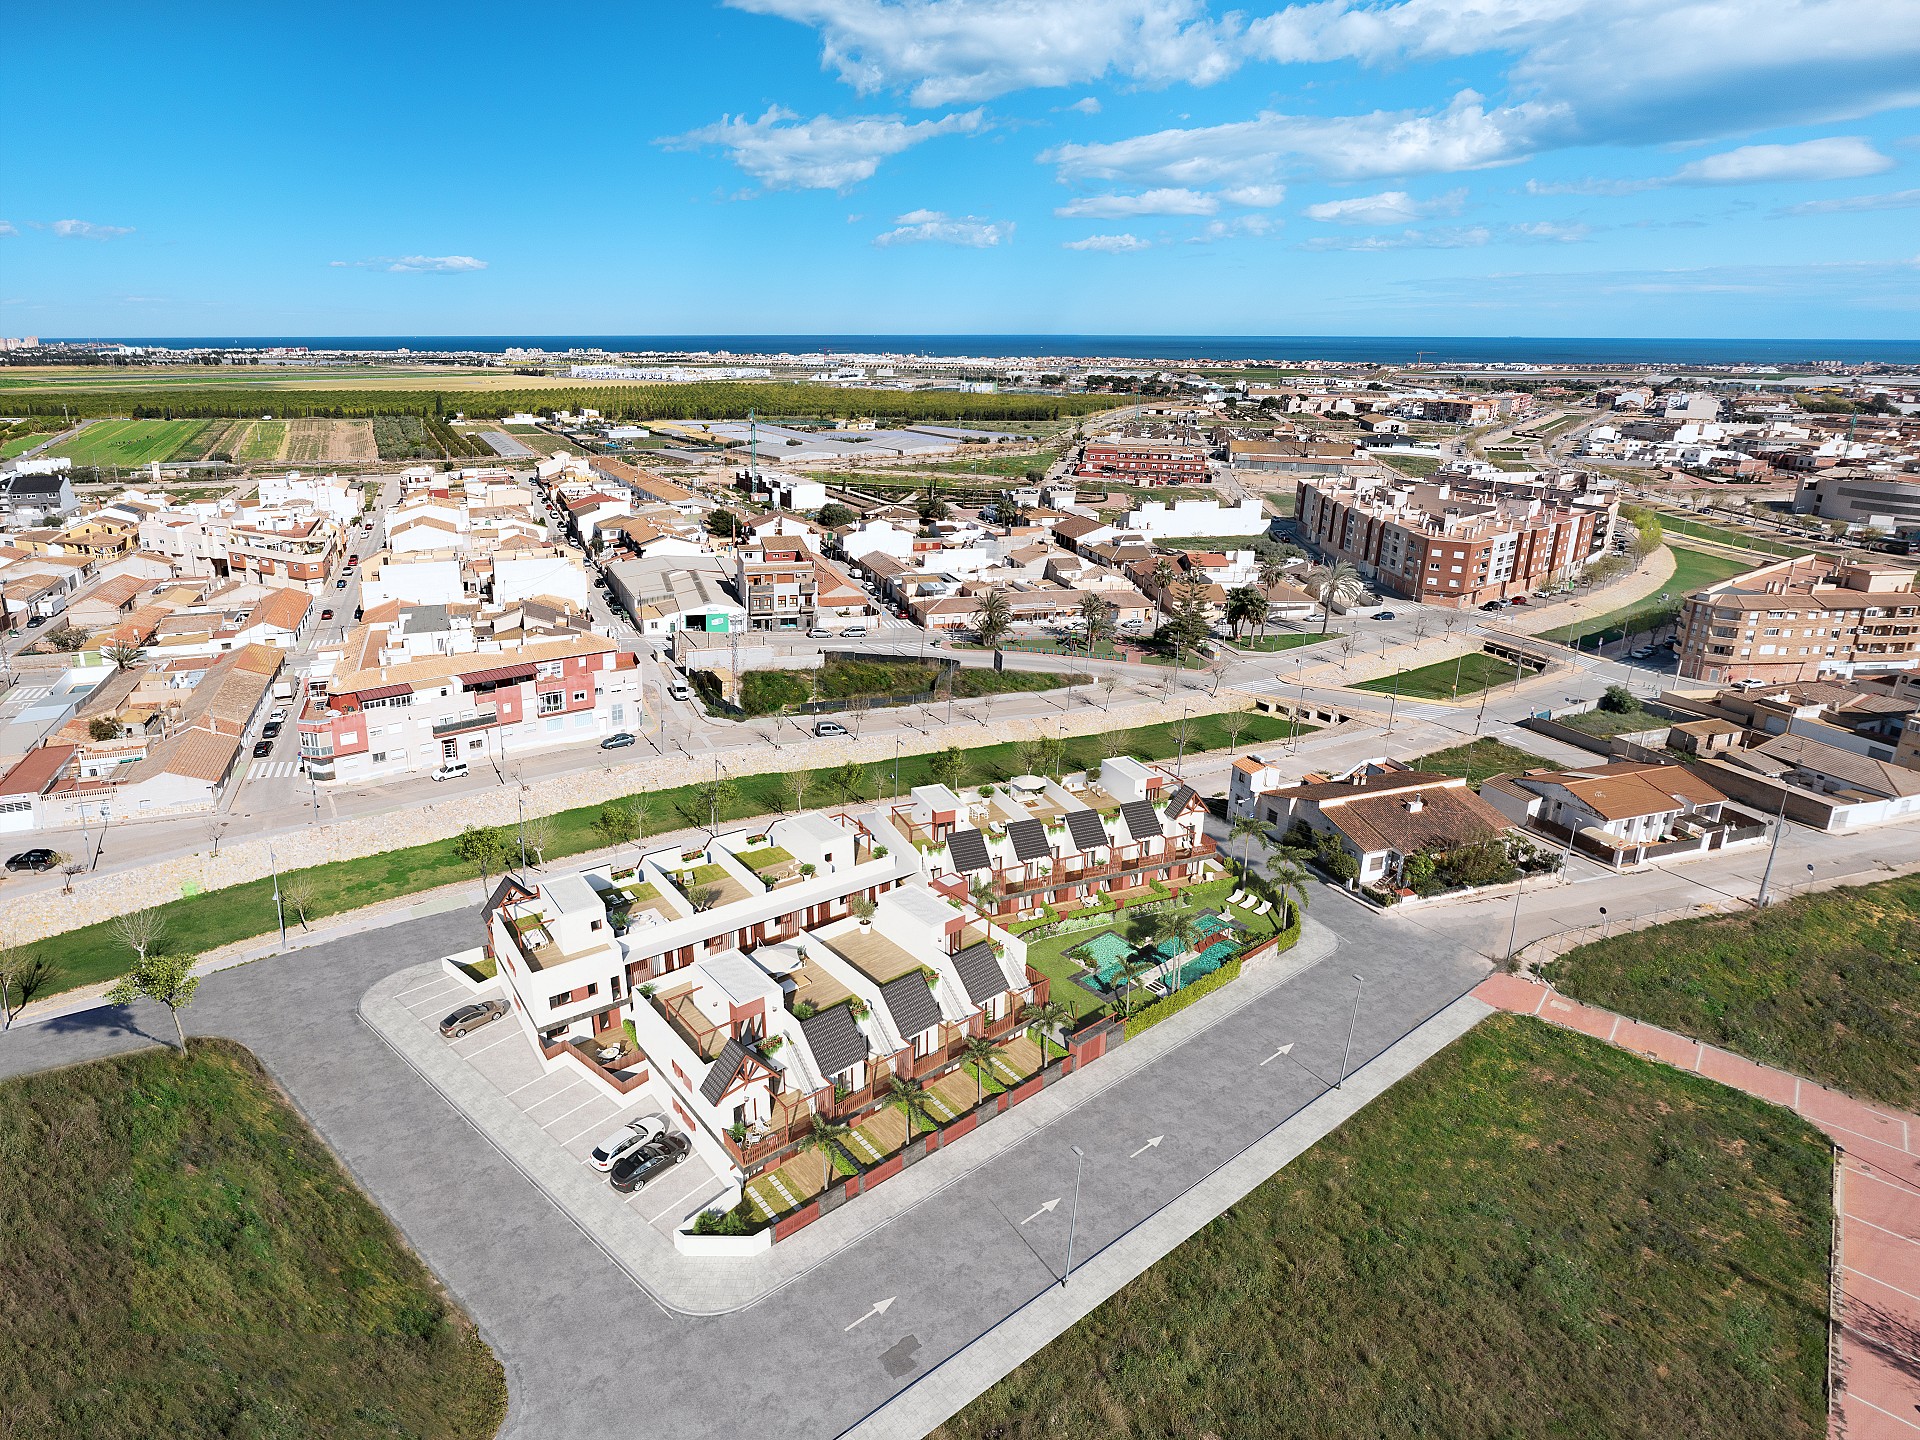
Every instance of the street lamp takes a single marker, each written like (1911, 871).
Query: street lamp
(1352, 1021)
(1073, 1215)
(1606, 925)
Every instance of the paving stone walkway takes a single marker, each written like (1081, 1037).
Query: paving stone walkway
(1876, 1364)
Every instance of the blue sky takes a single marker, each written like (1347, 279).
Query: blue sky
(1464, 167)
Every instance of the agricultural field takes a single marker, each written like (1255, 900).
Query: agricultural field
(19, 445)
(263, 441)
(129, 442)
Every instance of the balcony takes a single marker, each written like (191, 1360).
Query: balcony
(474, 720)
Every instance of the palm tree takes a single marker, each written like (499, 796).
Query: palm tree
(1289, 884)
(993, 619)
(1182, 927)
(1335, 584)
(911, 1096)
(978, 1051)
(1047, 1015)
(1008, 511)
(825, 1135)
(983, 895)
(1243, 829)
(1162, 576)
(1246, 604)
(1096, 620)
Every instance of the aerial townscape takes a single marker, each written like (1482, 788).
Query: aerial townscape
(1109, 718)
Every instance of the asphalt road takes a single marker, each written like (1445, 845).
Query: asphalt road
(585, 1348)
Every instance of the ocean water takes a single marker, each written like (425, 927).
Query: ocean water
(1386, 349)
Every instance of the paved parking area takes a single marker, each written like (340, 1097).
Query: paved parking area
(565, 1103)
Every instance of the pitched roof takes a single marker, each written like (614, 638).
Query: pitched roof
(732, 1056)
(968, 850)
(1143, 821)
(1444, 820)
(835, 1038)
(194, 754)
(980, 972)
(1180, 800)
(36, 770)
(1087, 831)
(1029, 840)
(910, 1003)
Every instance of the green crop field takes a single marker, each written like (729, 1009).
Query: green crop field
(1532, 1237)
(19, 445)
(184, 1257)
(263, 441)
(129, 442)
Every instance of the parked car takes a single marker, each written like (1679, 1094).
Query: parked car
(614, 1148)
(262, 749)
(472, 1017)
(818, 634)
(358, 612)
(33, 860)
(270, 730)
(641, 1166)
(617, 742)
(825, 728)
(352, 560)
(34, 620)
(855, 632)
(679, 690)
(451, 770)
(340, 584)
(1383, 615)
(328, 615)
(278, 716)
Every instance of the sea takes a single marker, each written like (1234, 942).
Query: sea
(1263, 349)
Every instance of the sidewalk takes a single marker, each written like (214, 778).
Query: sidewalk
(1875, 1351)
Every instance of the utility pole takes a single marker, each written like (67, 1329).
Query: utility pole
(279, 911)
(1779, 827)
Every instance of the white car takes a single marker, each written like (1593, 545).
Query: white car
(624, 1141)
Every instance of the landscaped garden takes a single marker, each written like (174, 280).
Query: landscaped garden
(1692, 570)
(1826, 985)
(1533, 1236)
(182, 1256)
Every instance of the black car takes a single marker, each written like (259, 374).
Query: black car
(649, 1160)
(270, 730)
(617, 742)
(33, 860)
(262, 748)
(472, 1017)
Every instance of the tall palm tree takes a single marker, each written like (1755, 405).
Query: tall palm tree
(993, 618)
(911, 1096)
(978, 1051)
(1096, 620)
(1289, 884)
(1243, 829)
(1246, 605)
(825, 1135)
(1335, 584)
(1047, 1015)
(1273, 574)
(1162, 575)
(1182, 927)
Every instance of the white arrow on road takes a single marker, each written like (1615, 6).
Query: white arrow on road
(879, 1308)
(1046, 1209)
(1146, 1147)
(1286, 1049)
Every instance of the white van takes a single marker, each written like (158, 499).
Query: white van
(452, 770)
(679, 690)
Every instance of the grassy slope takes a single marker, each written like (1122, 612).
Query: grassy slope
(1468, 674)
(1826, 985)
(1532, 1236)
(184, 1257)
(239, 912)
(1691, 570)
(1481, 760)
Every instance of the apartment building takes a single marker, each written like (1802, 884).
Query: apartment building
(1450, 543)
(778, 584)
(286, 549)
(1167, 462)
(1798, 619)
(385, 715)
(768, 977)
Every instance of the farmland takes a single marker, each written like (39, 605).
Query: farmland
(263, 441)
(129, 442)
(301, 442)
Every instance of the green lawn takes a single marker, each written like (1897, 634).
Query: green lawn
(1282, 501)
(204, 922)
(1282, 641)
(1467, 674)
(1534, 1237)
(1418, 465)
(1692, 569)
(1605, 724)
(766, 692)
(1701, 530)
(184, 1257)
(20, 444)
(1481, 760)
(1826, 985)
(1212, 543)
(128, 442)
(264, 440)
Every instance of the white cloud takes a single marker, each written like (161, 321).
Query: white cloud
(1464, 136)
(1109, 244)
(1151, 202)
(85, 229)
(1647, 71)
(1854, 204)
(784, 152)
(943, 51)
(1390, 207)
(1255, 197)
(414, 264)
(1235, 228)
(1445, 238)
(7, 228)
(1838, 157)
(1087, 106)
(919, 227)
(1560, 232)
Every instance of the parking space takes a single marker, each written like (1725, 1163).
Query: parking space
(574, 1109)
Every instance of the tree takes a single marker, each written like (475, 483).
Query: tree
(985, 898)
(1162, 577)
(164, 979)
(726, 524)
(1289, 883)
(484, 848)
(825, 1138)
(1234, 723)
(1618, 700)
(103, 727)
(1273, 574)
(713, 795)
(1187, 624)
(797, 783)
(1048, 1015)
(1246, 605)
(1182, 929)
(67, 637)
(139, 930)
(124, 654)
(1331, 585)
(1096, 620)
(978, 1051)
(1008, 511)
(994, 618)
(932, 508)
(911, 1096)
(1108, 684)
(619, 822)
(298, 891)
(849, 781)
(538, 837)
(950, 767)
(24, 973)
(833, 515)
(1243, 829)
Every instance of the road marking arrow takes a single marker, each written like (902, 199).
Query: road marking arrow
(1146, 1147)
(879, 1308)
(1046, 1209)
(1286, 1049)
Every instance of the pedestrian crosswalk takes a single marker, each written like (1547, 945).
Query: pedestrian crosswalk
(272, 769)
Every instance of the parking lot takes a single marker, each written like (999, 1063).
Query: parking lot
(573, 1109)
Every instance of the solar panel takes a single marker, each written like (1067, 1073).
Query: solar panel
(1029, 840)
(980, 972)
(835, 1039)
(1143, 821)
(1087, 831)
(724, 1069)
(1179, 801)
(968, 850)
(911, 1004)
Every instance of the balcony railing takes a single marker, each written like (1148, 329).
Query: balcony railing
(476, 720)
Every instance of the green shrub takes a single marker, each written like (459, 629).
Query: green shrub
(1150, 1015)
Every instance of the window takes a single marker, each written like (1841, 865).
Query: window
(379, 757)
(579, 696)
(551, 702)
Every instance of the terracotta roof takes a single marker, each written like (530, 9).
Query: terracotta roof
(195, 754)
(36, 770)
(285, 608)
(1430, 819)
(1624, 789)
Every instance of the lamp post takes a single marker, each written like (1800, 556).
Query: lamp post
(279, 911)
(1606, 925)
(1073, 1215)
(1352, 1021)
(1180, 757)
(896, 767)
